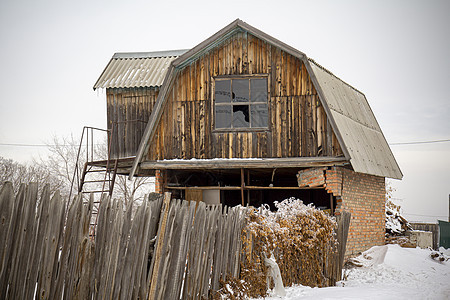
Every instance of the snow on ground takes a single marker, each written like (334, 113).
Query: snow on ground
(388, 272)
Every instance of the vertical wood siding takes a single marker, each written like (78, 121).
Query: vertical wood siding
(128, 111)
(298, 125)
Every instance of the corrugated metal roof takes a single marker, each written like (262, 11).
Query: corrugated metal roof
(359, 130)
(137, 69)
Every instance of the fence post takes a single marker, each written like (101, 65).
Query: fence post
(343, 221)
(157, 257)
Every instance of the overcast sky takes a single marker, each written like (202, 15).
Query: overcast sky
(395, 52)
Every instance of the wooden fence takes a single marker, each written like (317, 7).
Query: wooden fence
(169, 249)
(48, 252)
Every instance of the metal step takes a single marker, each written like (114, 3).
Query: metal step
(95, 171)
(93, 181)
(88, 192)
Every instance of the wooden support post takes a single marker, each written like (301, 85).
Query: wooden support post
(159, 182)
(331, 204)
(165, 181)
(242, 186)
(248, 191)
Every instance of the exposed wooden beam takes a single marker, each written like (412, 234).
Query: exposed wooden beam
(199, 164)
(282, 188)
(237, 188)
(222, 188)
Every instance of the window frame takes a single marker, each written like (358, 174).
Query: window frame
(249, 103)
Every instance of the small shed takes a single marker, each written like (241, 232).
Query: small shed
(243, 118)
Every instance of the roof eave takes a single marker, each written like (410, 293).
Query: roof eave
(101, 75)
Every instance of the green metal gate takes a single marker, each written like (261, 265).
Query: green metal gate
(444, 234)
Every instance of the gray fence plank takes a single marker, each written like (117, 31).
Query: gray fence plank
(74, 238)
(156, 260)
(195, 249)
(116, 224)
(6, 212)
(57, 292)
(18, 241)
(20, 268)
(343, 221)
(41, 238)
(133, 251)
(207, 270)
(51, 251)
(140, 290)
(218, 252)
(124, 237)
(178, 260)
(166, 252)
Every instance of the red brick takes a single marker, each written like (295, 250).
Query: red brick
(363, 196)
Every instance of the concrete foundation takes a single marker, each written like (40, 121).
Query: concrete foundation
(423, 239)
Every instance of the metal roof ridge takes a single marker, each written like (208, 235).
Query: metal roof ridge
(330, 73)
(152, 54)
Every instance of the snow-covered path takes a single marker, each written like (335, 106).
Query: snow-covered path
(388, 272)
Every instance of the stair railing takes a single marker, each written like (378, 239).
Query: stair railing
(88, 135)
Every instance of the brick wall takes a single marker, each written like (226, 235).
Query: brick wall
(311, 177)
(360, 194)
(159, 182)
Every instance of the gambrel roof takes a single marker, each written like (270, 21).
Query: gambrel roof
(352, 120)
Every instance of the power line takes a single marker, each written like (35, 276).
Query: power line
(424, 215)
(41, 145)
(421, 142)
(25, 145)
(47, 145)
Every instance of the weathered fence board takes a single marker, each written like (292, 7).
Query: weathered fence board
(343, 222)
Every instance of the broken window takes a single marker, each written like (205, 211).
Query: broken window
(241, 103)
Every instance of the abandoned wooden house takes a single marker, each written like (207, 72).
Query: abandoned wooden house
(243, 118)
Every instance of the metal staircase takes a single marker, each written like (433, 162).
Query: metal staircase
(94, 173)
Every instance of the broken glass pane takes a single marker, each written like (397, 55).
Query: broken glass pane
(223, 116)
(222, 91)
(241, 117)
(240, 90)
(258, 90)
(260, 115)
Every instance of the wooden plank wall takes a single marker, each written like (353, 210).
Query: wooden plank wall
(128, 111)
(298, 124)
